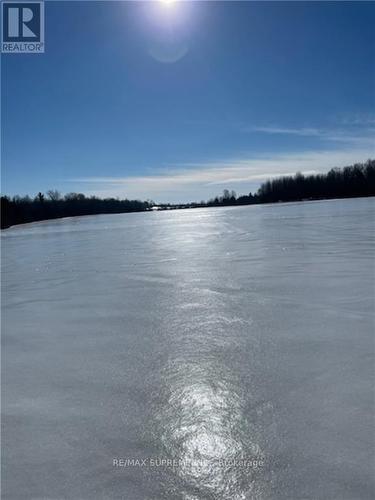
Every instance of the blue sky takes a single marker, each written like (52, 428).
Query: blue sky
(179, 101)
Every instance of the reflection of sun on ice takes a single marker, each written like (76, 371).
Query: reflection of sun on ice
(201, 435)
(168, 2)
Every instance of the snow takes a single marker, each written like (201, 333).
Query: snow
(203, 336)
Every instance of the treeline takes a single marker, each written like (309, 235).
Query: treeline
(349, 182)
(19, 210)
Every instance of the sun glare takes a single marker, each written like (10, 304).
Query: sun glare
(167, 2)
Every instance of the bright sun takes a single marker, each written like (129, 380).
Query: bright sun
(167, 2)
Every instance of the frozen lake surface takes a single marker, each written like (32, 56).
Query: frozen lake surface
(205, 336)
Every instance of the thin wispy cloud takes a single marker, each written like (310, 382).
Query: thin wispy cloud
(195, 181)
(366, 136)
(304, 132)
(358, 119)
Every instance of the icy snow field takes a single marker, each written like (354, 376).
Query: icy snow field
(206, 336)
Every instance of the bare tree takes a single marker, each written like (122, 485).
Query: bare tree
(54, 195)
